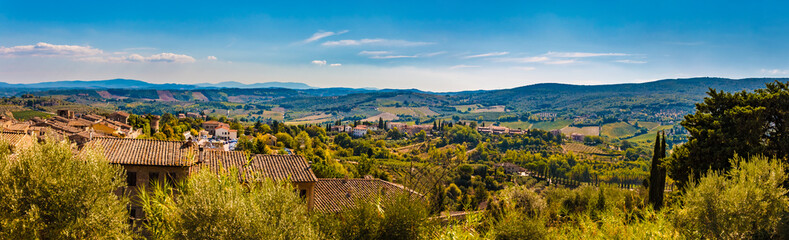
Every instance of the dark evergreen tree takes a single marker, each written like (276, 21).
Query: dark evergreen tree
(657, 175)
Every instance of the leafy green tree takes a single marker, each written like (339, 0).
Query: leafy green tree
(218, 206)
(745, 123)
(48, 192)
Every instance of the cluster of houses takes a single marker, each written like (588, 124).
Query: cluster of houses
(77, 128)
(358, 131)
(500, 130)
(148, 161)
(361, 130)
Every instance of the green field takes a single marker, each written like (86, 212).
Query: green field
(619, 130)
(28, 114)
(548, 125)
(650, 136)
(648, 125)
(516, 125)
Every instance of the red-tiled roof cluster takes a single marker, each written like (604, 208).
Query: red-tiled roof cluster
(183, 154)
(335, 194)
(146, 152)
(277, 167)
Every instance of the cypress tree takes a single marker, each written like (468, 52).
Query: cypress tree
(657, 175)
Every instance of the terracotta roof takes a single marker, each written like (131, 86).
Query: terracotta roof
(335, 194)
(15, 139)
(276, 167)
(211, 122)
(92, 117)
(146, 152)
(121, 113)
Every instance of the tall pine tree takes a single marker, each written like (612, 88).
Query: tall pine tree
(657, 175)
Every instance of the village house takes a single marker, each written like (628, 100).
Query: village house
(211, 126)
(577, 137)
(509, 168)
(360, 131)
(149, 161)
(119, 116)
(225, 133)
(193, 115)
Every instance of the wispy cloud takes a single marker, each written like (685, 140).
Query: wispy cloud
(389, 54)
(775, 71)
(89, 54)
(534, 59)
(525, 68)
(211, 58)
(137, 58)
(49, 50)
(322, 34)
(374, 52)
(375, 41)
(393, 56)
(582, 54)
(325, 63)
(490, 54)
(461, 66)
(561, 62)
(630, 61)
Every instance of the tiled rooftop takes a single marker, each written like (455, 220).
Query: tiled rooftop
(335, 194)
(146, 152)
(276, 167)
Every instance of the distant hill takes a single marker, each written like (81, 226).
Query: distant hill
(232, 84)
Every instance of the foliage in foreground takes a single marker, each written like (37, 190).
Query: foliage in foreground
(49, 193)
(748, 201)
(218, 206)
(404, 216)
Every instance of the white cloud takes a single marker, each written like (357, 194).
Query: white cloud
(322, 34)
(49, 50)
(583, 54)
(561, 62)
(387, 54)
(490, 54)
(524, 59)
(393, 56)
(463, 66)
(630, 61)
(525, 68)
(319, 62)
(374, 52)
(137, 58)
(335, 65)
(375, 41)
(212, 58)
(432, 54)
(88, 54)
(775, 71)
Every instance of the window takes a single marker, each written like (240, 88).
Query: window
(171, 178)
(131, 179)
(153, 177)
(303, 193)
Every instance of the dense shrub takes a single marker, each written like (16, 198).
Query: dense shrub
(217, 206)
(748, 201)
(47, 192)
(404, 216)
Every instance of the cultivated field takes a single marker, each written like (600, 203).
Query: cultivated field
(588, 131)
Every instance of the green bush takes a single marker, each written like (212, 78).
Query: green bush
(402, 217)
(748, 201)
(217, 206)
(49, 193)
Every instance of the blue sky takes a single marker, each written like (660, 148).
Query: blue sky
(430, 45)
